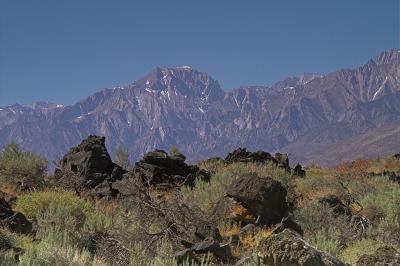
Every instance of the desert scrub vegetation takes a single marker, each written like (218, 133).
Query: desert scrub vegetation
(21, 166)
(373, 197)
(327, 240)
(56, 248)
(144, 224)
(207, 194)
(356, 249)
(34, 204)
(62, 211)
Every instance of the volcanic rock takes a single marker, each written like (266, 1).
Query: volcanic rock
(242, 155)
(88, 166)
(253, 199)
(158, 168)
(299, 171)
(337, 206)
(288, 248)
(394, 177)
(15, 221)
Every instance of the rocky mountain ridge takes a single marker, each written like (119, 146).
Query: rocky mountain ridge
(188, 109)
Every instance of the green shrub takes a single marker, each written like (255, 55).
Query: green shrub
(8, 259)
(63, 211)
(122, 157)
(139, 256)
(314, 217)
(18, 240)
(355, 250)
(314, 187)
(174, 151)
(57, 249)
(34, 204)
(382, 207)
(385, 199)
(327, 240)
(16, 165)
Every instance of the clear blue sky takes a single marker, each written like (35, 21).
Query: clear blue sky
(63, 51)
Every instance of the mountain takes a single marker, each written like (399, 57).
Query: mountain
(372, 144)
(188, 109)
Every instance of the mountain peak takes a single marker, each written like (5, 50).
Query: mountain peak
(388, 57)
(307, 77)
(184, 80)
(185, 67)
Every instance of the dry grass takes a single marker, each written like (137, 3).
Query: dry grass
(108, 207)
(10, 190)
(227, 231)
(240, 213)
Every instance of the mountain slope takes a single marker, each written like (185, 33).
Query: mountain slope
(186, 108)
(372, 144)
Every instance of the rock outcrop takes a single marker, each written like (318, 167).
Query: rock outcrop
(242, 155)
(337, 206)
(256, 199)
(299, 171)
(393, 176)
(88, 167)
(288, 248)
(160, 169)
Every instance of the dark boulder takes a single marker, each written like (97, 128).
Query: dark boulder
(88, 166)
(255, 199)
(299, 171)
(242, 155)
(14, 221)
(393, 176)
(89, 158)
(158, 168)
(337, 206)
(383, 256)
(263, 197)
(288, 248)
